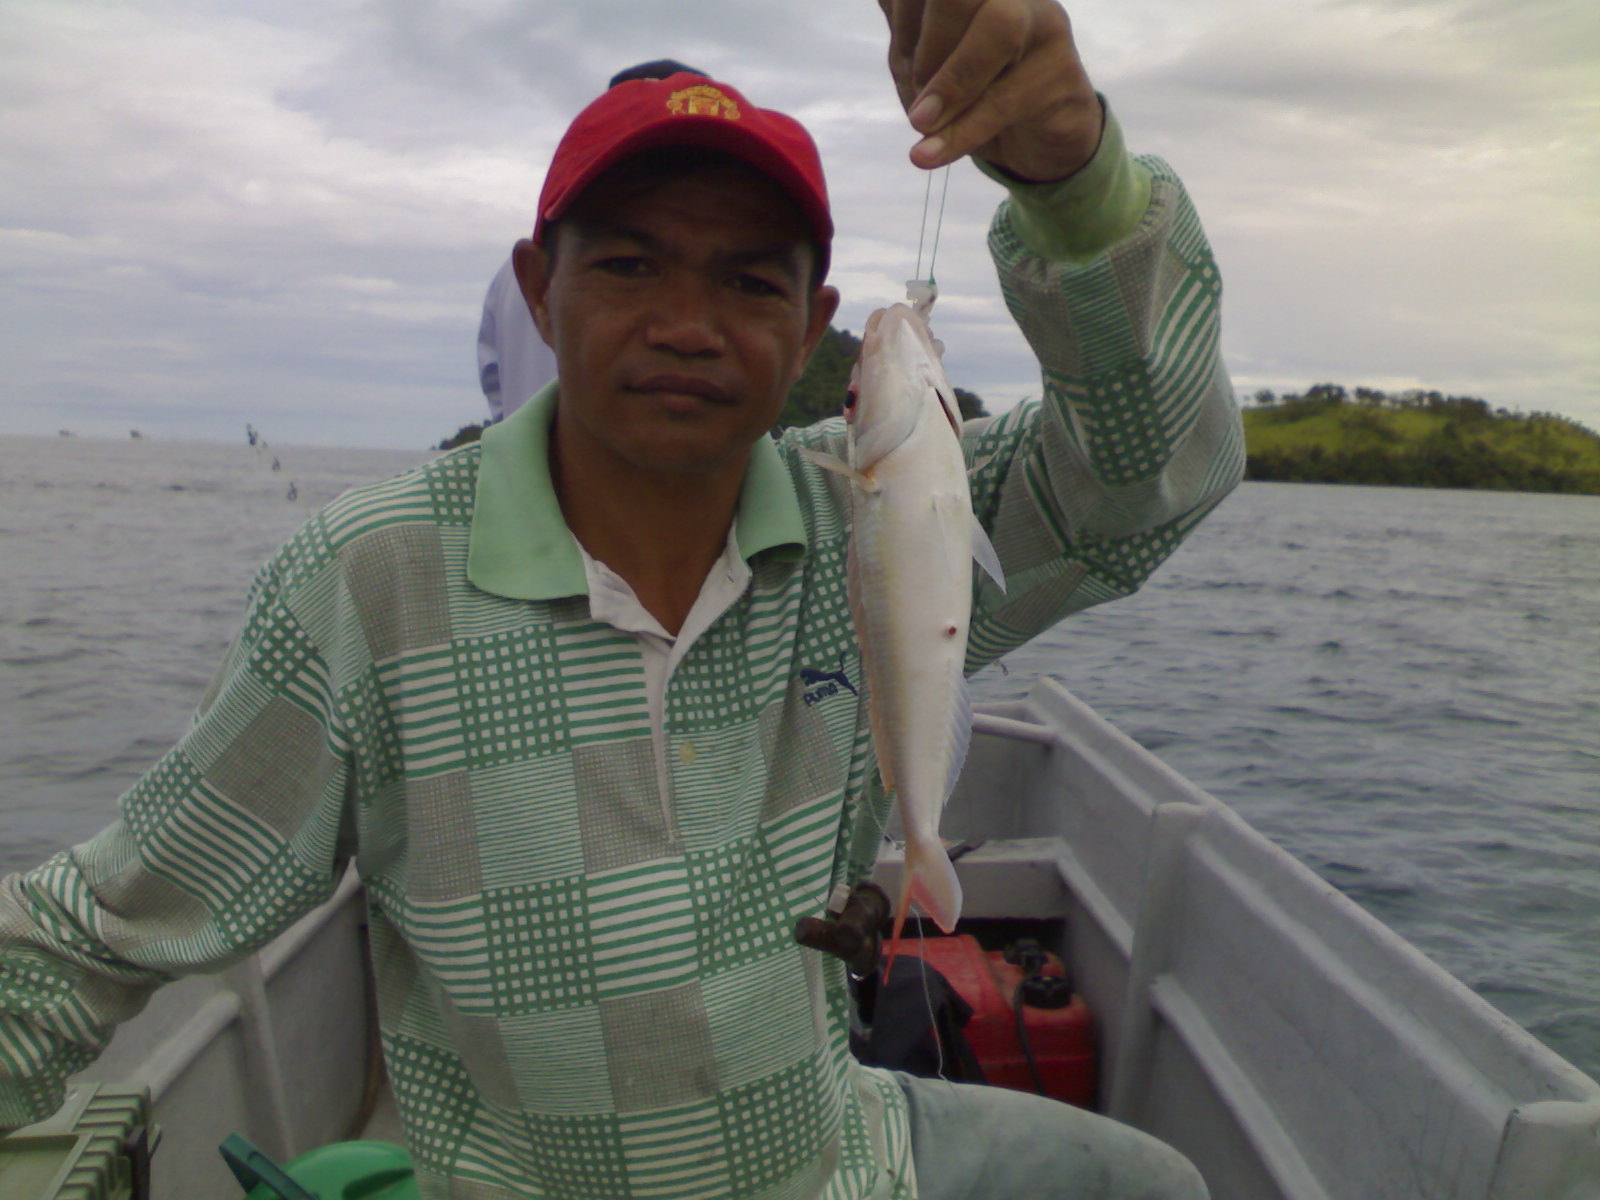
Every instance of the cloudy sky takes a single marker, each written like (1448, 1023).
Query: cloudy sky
(286, 214)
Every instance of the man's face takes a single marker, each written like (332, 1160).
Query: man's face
(680, 313)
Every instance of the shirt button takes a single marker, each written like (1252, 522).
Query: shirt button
(688, 753)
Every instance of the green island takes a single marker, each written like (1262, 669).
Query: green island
(1415, 439)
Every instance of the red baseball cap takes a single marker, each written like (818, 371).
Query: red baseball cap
(685, 110)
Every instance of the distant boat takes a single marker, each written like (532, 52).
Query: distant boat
(63, 433)
(136, 435)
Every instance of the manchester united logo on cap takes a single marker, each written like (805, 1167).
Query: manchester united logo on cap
(703, 100)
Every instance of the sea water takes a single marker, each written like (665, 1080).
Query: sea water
(1399, 686)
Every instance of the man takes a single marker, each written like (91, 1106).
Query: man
(513, 360)
(548, 691)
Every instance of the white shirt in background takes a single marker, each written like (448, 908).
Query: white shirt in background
(513, 361)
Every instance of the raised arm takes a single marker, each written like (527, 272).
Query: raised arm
(1106, 269)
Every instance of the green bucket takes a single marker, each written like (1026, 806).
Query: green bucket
(342, 1171)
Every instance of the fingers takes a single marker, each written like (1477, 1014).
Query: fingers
(1033, 92)
(1000, 78)
(963, 46)
(905, 28)
(953, 49)
(905, 24)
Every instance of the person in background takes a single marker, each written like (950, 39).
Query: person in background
(513, 360)
(548, 692)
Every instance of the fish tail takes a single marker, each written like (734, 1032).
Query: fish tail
(929, 882)
(934, 885)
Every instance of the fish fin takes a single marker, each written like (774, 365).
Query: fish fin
(951, 511)
(979, 464)
(984, 553)
(831, 462)
(955, 511)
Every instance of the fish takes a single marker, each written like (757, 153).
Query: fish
(913, 542)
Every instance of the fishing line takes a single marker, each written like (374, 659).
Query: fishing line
(944, 194)
(933, 1023)
(922, 237)
(922, 230)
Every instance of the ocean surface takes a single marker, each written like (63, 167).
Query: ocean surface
(1401, 687)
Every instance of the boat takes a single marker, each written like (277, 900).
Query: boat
(1244, 1010)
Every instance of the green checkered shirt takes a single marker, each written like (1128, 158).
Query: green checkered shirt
(583, 994)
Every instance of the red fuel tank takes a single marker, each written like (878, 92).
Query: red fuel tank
(1061, 1038)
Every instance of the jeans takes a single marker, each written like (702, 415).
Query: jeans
(990, 1143)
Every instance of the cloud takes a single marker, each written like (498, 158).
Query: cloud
(211, 213)
(1395, 187)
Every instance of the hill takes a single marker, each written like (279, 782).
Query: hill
(819, 393)
(1416, 439)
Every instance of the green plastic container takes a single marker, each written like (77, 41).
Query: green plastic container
(342, 1171)
(96, 1147)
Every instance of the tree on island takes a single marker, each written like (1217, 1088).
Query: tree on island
(464, 436)
(1417, 438)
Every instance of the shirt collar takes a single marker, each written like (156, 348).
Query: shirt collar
(520, 546)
